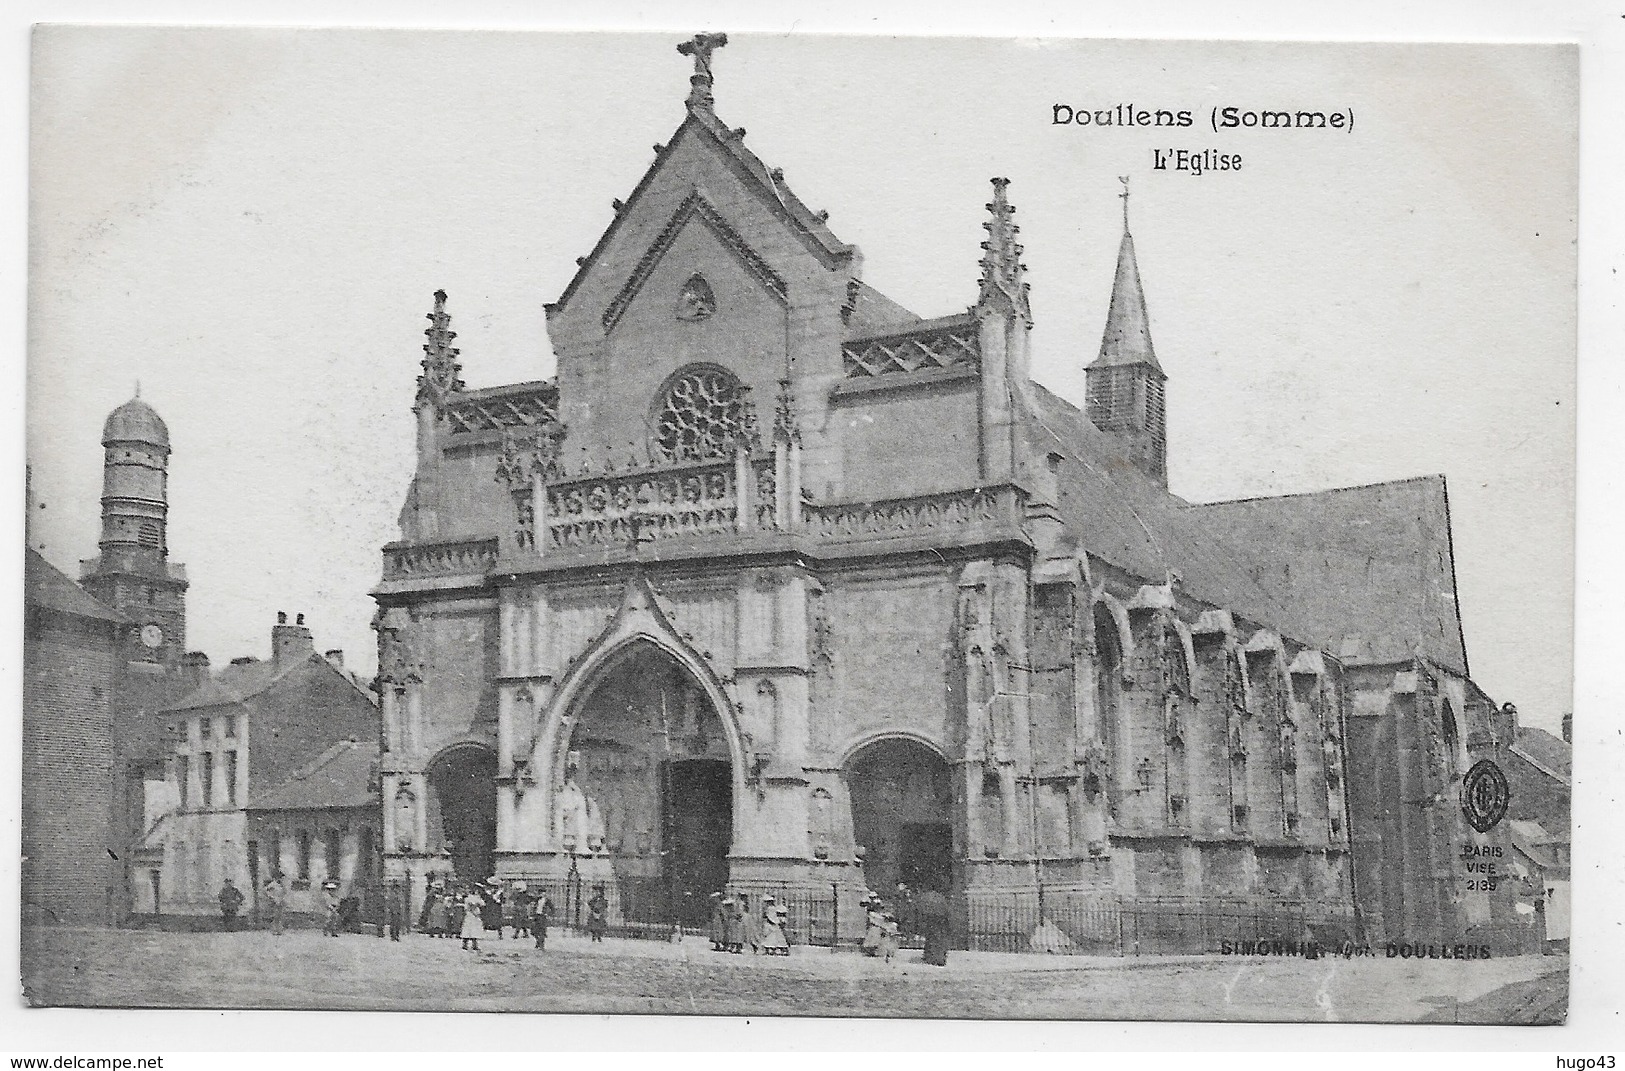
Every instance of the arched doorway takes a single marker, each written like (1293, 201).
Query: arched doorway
(902, 797)
(648, 783)
(463, 809)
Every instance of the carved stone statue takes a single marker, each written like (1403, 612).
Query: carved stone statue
(406, 819)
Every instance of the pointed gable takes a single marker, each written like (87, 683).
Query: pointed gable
(703, 140)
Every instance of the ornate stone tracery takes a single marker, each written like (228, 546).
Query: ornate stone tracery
(703, 413)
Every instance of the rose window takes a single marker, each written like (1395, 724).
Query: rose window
(703, 413)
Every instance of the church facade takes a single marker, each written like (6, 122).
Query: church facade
(779, 585)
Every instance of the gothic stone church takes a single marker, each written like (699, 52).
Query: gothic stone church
(695, 613)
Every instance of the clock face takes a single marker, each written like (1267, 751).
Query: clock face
(152, 635)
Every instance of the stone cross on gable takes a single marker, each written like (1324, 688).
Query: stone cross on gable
(700, 48)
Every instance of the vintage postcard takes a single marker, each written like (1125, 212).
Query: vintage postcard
(800, 525)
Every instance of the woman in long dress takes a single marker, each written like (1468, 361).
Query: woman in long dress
(473, 925)
(772, 939)
(749, 925)
(873, 926)
(436, 915)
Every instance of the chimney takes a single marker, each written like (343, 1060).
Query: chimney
(335, 656)
(289, 643)
(195, 667)
(1568, 728)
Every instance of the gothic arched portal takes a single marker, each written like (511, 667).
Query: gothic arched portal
(902, 807)
(648, 781)
(463, 809)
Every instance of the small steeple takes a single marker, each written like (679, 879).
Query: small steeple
(1125, 395)
(1003, 274)
(700, 48)
(1127, 339)
(441, 372)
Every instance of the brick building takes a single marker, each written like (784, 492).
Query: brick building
(73, 647)
(255, 748)
(781, 585)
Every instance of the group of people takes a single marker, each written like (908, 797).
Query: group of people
(735, 927)
(925, 914)
(881, 934)
(471, 910)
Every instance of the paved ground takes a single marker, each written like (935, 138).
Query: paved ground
(305, 970)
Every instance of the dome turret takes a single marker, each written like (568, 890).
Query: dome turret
(135, 421)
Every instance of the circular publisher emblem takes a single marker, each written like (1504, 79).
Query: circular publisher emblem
(1484, 795)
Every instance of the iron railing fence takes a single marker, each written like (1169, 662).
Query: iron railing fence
(1016, 920)
(1075, 924)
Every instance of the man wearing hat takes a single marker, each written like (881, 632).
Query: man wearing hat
(231, 902)
(519, 900)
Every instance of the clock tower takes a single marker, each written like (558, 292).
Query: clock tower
(133, 573)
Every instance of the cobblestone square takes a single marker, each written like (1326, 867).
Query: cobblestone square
(304, 970)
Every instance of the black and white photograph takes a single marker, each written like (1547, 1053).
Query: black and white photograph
(800, 525)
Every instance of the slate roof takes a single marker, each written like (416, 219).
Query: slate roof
(341, 776)
(1127, 338)
(238, 682)
(873, 313)
(46, 586)
(1369, 569)
(1551, 754)
(1365, 572)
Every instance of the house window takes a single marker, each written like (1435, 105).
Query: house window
(701, 414)
(207, 776)
(183, 774)
(228, 727)
(231, 778)
(334, 846)
(1239, 813)
(304, 854)
(205, 728)
(273, 853)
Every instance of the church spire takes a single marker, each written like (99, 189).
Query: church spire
(1127, 339)
(1125, 396)
(699, 48)
(1003, 274)
(442, 375)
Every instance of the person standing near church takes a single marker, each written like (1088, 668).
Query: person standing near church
(473, 925)
(598, 914)
(519, 903)
(541, 913)
(231, 902)
(491, 913)
(933, 908)
(330, 902)
(276, 899)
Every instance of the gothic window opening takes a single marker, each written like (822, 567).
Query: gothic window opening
(207, 776)
(231, 778)
(702, 413)
(148, 535)
(183, 774)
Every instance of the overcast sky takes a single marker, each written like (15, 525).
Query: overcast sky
(251, 223)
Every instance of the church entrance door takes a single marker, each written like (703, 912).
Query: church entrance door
(699, 820)
(902, 797)
(463, 809)
(648, 786)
